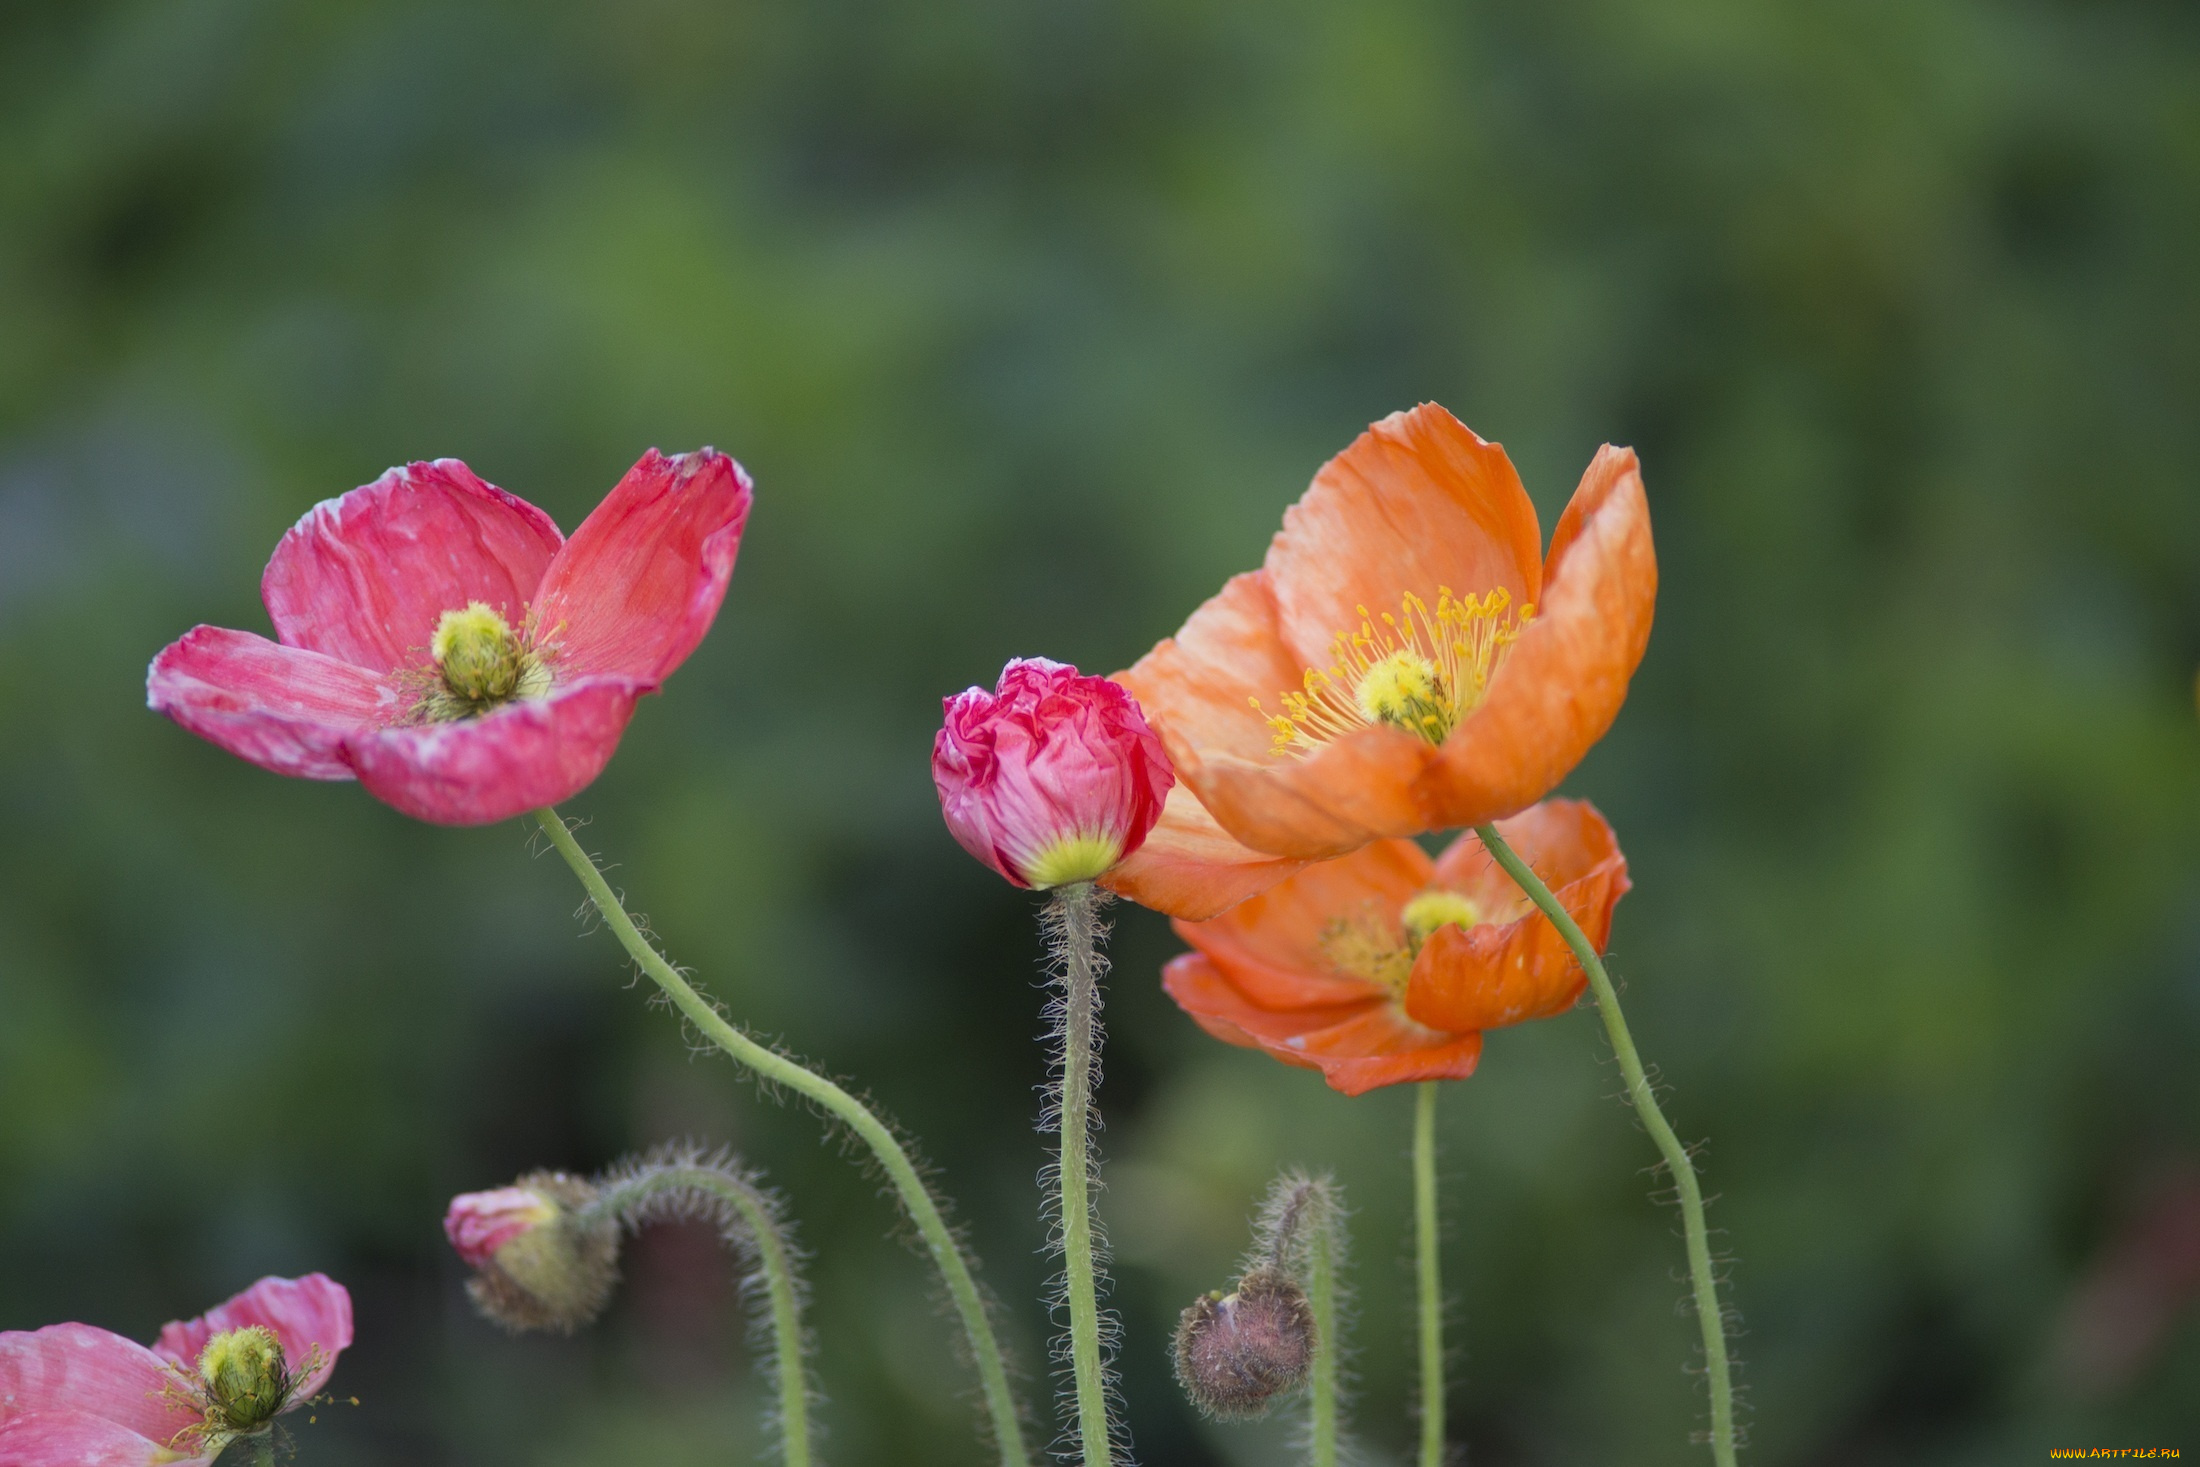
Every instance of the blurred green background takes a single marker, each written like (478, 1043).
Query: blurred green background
(1029, 319)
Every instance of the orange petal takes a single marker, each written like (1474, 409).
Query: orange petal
(1190, 867)
(1417, 503)
(1510, 971)
(1565, 679)
(1196, 688)
(1334, 800)
(1356, 1047)
(1271, 945)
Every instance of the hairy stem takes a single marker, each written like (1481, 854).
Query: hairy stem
(648, 1187)
(1321, 1296)
(1073, 923)
(939, 1240)
(1677, 1160)
(263, 1449)
(1431, 1288)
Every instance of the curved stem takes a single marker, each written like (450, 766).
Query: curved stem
(939, 1240)
(1321, 1296)
(1427, 1264)
(761, 1225)
(1677, 1160)
(1073, 923)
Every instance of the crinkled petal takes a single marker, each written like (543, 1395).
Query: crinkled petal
(1271, 945)
(81, 1439)
(366, 577)
(79, 1369)
(528, 753)
(1336, 799)
(283, 708)
(311, 1318)
(1197, 688)
(1419, 503)
(636, 587)
(1192, 868)
(1507, 972)
(1565, 678)
(1357, 1047)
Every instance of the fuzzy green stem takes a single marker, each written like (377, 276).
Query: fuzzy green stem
(1321, 1297)
(1431, 1286)
(939, 1240)
(1074, 923)
(773, 1258)
(263, 1450)
(1677, 1160)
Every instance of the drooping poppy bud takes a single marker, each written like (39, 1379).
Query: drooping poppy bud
(542, 1259)
(1052, 777)
(1237, 1352)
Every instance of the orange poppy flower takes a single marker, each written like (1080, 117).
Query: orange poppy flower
(1405, 660)
(1384, 967)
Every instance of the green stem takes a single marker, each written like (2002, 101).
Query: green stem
(263, 1450)
(1431, 1286)
(1073, 921)
(762, 1230)
(1677, 1160)
(1321, 1295)
(915, 1196)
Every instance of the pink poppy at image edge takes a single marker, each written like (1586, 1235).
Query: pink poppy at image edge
(72, 1395)
(439, 641)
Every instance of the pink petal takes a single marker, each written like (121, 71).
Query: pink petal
(524, 755)
(80, 1439)
(366, 577)
(76, 1368)
(308, 1314)
(283, 708)
(637, 586)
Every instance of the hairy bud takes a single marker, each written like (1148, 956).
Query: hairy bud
(1237, 1352)
(542, 1258)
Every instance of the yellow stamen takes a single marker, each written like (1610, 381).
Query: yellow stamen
(1422, 671)
(1436, 908)
(479, 663)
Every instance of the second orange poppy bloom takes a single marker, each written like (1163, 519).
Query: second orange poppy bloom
(1384, 966)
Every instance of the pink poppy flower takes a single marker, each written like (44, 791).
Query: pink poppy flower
(75, 1396)
(1052, 777)
(440, 642)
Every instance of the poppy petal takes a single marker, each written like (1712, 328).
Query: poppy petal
(1198, 687)
(520, 757)
(1191, 867)
(1272, 946)
(1356, 1047)
(81, 1439)
(637, 586)
(1507, 972)
(283, 708)
(1565, 678)
(76, 1368)
(366, 577)
(1334, 800)
(1418, 503)
(307, 1315)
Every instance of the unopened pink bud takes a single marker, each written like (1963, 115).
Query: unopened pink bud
(1052, 777)
(542, 1256)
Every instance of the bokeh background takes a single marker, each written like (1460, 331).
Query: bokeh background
(1030, 316)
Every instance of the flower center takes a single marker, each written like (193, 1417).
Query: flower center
(1422, 671)
(1364, 945)
(480, 662)
(247, 1379)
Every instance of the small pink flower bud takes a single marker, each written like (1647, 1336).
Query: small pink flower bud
(1235, 1352)
(542, 1258)
(1052, 777)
